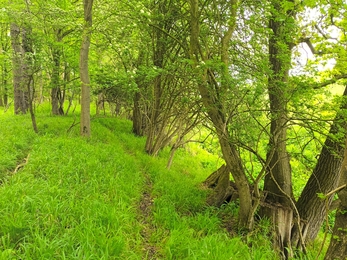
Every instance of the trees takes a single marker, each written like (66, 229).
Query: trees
(213, 94)
(280, 203)
(226, 63)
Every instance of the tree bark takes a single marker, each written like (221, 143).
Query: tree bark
(5, 67)
(19, 87)
(139, 116)
(56, 95)
(4, 83)
(84, 74)
(28, 73)
(138, 126)
(278, 180)
(325, 177)
(222, 190)
(338, 243)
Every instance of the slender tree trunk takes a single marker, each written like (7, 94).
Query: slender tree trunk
(84, 74)
(5, 82)
(138, 128)
(100, 103)
(27, 70)
(215, 110)
(67, 74)
(278, 180)
(139, 116)
(56, 96)
(31, 107)
(154, 133)
(5, 66)
(155, 126)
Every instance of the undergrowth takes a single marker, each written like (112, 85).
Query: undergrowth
(78, 198)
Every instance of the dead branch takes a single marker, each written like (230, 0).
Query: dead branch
(21, 165)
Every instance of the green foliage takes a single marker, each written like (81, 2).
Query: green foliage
(78, 198)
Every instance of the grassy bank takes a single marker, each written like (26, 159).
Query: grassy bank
(104, 198)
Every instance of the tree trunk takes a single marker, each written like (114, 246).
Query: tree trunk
(156, 124)
(139, 115)
(84, 74)
(325, 177)
(5, 66)
(19, 89)
(5, 82)
(28, 73)
(278, 180)
(338, 244)
(67, 75)
(56, 96)
(214, 108)
(100, 103)
(222, 190)
(138, 126)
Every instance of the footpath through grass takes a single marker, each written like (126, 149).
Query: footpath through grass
(104, 198)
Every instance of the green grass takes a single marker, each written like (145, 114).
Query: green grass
(79, 198)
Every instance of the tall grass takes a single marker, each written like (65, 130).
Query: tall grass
(78, 198)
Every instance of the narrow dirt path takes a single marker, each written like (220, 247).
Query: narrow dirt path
(145, 217)
(145, 214)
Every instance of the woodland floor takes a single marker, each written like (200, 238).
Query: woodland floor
(64, 197)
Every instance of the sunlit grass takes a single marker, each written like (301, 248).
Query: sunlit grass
(78, 198)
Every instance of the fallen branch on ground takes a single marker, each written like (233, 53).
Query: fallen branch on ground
(21, 165)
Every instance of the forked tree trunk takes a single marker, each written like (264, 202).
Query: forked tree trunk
(214, 108)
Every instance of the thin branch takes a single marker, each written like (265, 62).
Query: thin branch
(310, 45)
(21, 165)
(330, 81)
(335, 190)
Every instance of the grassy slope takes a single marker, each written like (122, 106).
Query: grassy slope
(79, 199)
